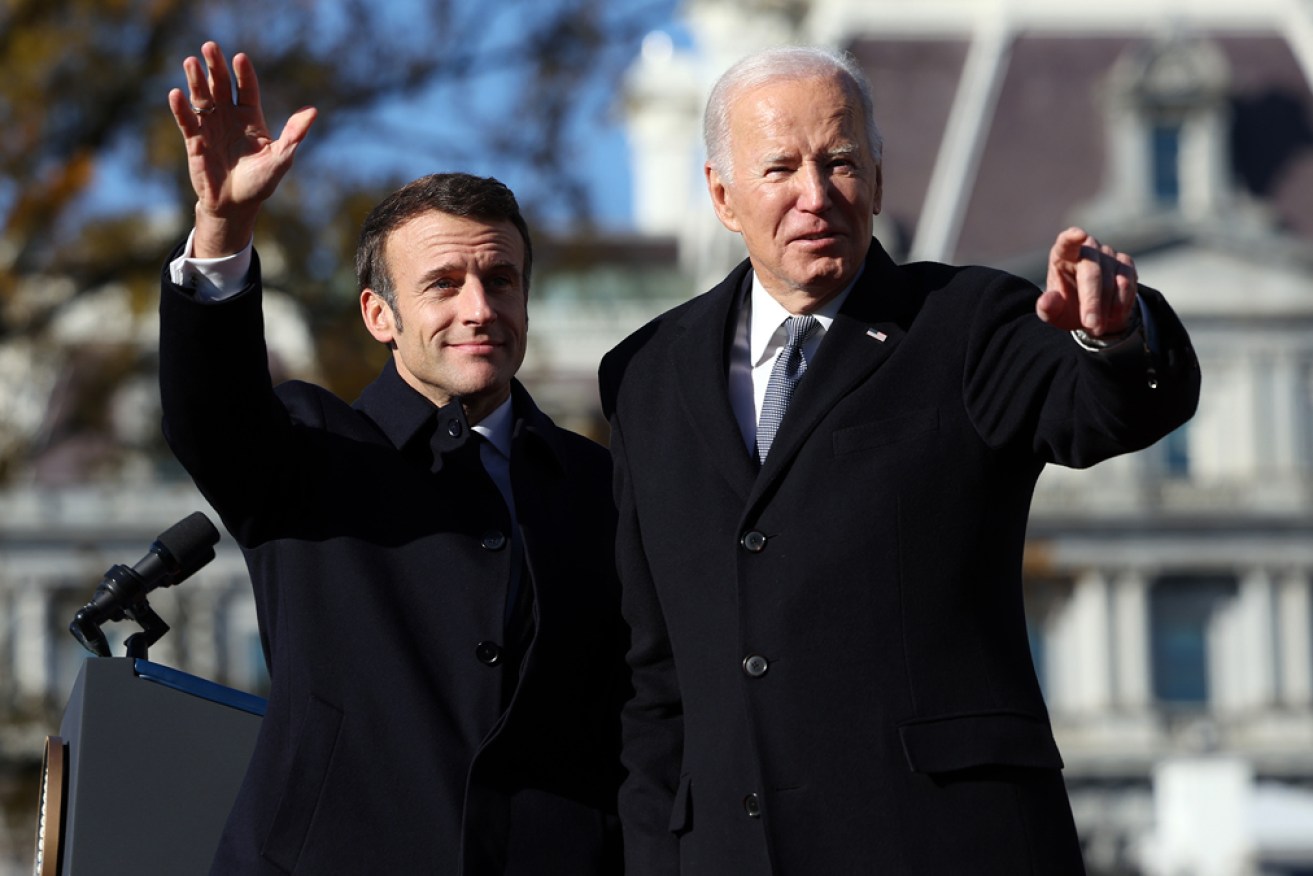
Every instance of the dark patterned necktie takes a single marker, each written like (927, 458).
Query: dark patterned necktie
(789, 367)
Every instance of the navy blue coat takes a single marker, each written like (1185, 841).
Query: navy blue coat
(830, 660)
(380, 587)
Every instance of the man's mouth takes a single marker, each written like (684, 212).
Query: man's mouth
(828, 235)
(477, 346)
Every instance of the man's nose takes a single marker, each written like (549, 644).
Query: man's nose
(813, 188)
(476, 307)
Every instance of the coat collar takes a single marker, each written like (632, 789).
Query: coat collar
(403, 416)
(864, 334)
(701, 361)
(395, 407)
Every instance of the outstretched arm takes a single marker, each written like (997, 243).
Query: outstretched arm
(233, 162)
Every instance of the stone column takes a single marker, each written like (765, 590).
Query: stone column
(1080, 647)
(1294, 619)
(1241, 666)
(31, 638)
(1283, 433)
(1130, 651)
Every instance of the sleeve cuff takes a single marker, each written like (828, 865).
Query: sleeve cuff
(1141, 325)
(211, 279)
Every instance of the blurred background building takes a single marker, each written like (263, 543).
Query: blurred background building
(1170, 593)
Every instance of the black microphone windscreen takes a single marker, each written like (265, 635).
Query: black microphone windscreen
(189, 541)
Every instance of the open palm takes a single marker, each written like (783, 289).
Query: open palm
(233, 162)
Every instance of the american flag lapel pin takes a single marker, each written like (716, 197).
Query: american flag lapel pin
(879, 336)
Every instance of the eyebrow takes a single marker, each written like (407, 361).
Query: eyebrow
(435, 273)
(446, 268)
(784, 157)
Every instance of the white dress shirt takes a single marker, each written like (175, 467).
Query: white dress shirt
(759, 338)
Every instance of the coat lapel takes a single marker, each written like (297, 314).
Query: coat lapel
(864, 335)
(699, 359)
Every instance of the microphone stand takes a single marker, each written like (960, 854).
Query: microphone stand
(173, 557)
(86, 629)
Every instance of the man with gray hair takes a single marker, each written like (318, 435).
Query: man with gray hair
(823, 468)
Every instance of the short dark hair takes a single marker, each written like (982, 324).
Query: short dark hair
(456, 194)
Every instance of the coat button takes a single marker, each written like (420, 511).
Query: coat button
(493, 540)
(755, 665)
(489, 653)
(753, 541)
(752, 806)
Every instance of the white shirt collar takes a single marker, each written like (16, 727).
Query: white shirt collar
(766, 334)
(496, 428)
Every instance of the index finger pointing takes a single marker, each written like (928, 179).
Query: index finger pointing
(1091, 285)
(1067, 246)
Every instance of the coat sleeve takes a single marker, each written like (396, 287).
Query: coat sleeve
(1032, 388)
(222, 419)
(652, 720)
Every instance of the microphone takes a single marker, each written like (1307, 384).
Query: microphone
(177, 553)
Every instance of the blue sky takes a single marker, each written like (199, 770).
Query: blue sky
(394, 142)
(598, 137)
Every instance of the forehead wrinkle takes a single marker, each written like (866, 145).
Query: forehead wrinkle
(778, 136)
(456, 251)
(461, 266)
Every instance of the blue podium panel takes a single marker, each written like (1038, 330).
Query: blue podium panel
(155, 758)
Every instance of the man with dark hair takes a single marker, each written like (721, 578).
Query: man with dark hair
(824, 470)
(454, 194)
(432, 565)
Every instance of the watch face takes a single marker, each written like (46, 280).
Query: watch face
(50, 808)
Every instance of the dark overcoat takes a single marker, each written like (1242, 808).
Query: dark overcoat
(830, 658)
(381, 586)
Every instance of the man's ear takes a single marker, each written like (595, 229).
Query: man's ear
(721, 199)
(378, 316)
(879, 190)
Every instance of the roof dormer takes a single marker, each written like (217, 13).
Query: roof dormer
(1168, 110)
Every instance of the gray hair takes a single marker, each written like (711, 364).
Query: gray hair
(768, 65)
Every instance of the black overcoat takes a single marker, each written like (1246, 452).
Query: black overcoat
(831, 667)
(380, 587)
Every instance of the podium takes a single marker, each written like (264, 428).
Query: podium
(152, 761)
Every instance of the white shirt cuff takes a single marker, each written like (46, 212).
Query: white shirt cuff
(212, 279)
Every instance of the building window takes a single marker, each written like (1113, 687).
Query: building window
(1176, 453)
(1165, 162)
(1181, 609)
